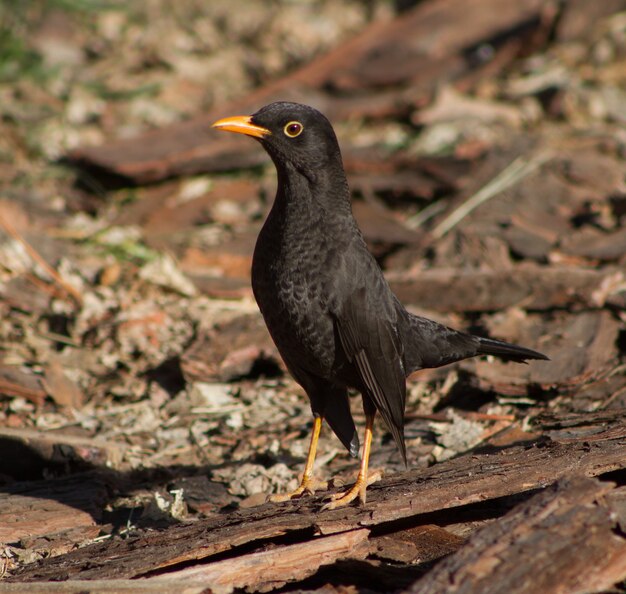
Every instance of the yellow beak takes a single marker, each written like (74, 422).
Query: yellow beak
(241, 124)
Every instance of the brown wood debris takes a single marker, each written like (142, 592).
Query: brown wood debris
(230, 351)
(565, 539)
(399, 501)
(28, 452)
(40, 512)
(14, 382)
(581, 352)
(529, 286)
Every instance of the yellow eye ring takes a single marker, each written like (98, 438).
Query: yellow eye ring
(293, 129)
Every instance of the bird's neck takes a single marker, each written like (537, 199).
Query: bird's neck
(309, 212)
(313, 194)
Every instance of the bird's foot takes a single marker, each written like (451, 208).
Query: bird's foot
(357, 490)
(306, 487)
(299, 492)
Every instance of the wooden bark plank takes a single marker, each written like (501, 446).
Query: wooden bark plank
(565, 539)
(527, 285)
(418, 544)
(114, 586)
(27, 452)
(403, 51)
(16, 382)
(274, 568)
(43, 508)
(29, 517)
(462, 481)
(569, 426)
(605, 247)
(581, 346)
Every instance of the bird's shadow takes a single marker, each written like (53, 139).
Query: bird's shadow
(93, 489)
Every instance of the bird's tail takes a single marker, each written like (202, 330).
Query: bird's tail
(506, 350)
(430, 344)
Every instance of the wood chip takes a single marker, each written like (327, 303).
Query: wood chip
(529, 286)
(562, 540)
(28, 453)
(44, 508)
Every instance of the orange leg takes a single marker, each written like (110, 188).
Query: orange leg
(359, 487)
(307, 476)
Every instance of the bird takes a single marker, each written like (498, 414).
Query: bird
(326, 303)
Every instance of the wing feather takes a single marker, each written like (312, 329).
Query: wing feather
(370, 341)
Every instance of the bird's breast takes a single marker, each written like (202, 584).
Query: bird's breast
(290, 279)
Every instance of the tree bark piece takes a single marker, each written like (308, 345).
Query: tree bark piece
(416, 545)
(465, 480)
(271, 569)
(44, 508)
(565, 539)
(529, 286)
(27, 452)
(15, 382)
(100, 587)
(581, 346)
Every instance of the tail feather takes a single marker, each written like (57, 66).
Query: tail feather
(507, 351)
(430, 344)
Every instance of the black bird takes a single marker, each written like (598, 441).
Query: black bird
(324, 298)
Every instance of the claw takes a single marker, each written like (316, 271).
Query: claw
(362, 480)
(347, 497)
(303, 489)
(357, 490)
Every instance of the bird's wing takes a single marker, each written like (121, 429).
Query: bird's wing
(366, 326)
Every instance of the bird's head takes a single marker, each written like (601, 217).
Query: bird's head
(291, 133)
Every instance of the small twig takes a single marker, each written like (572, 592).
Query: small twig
(56, 337)
(437, 417)
(34, 254)
(478, 416)
(513, 173)
(199, 448)
(443, 417)
(617, 394)
(424, 215)
(12, 389)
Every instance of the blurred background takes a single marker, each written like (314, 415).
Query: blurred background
(81, 71)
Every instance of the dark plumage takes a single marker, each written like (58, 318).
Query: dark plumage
(324, 298)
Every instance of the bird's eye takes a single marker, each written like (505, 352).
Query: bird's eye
(293, 129)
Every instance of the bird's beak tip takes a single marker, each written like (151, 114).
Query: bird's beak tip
(242, 125)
